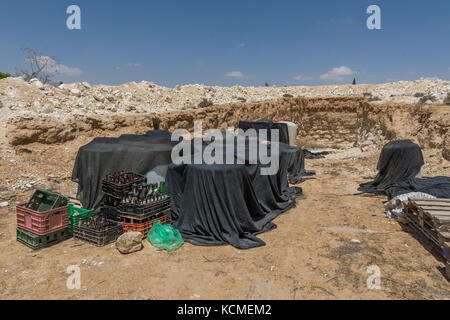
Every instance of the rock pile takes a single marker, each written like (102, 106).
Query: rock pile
(20, 98)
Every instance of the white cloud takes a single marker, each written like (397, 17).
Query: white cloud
(234, 74)
(338, 74)
(54, 67)
(135, 65)
(117, 68)
(242, 44)
(448, 68)
(302, 78)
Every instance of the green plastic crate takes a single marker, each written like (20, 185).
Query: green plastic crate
(36, 242)
(45, 200)
(76, 214)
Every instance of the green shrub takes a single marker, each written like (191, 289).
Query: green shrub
(4, 75)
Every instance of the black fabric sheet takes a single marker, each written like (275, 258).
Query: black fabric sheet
(315, 155)
(437, 186)
(400, 160)
(283, 129)
(102, 156)
(223, 204)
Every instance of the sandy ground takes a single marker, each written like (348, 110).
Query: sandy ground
(303, 259)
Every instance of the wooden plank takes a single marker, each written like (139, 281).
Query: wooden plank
(429, 235)
(431, 200)
(434, 208)
(442, 219)
(438, 213)
(432, 204)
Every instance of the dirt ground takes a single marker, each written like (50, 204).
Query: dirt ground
(304, 258)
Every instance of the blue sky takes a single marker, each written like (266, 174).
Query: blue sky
(246, 42)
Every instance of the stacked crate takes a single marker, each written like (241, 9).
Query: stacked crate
(133, 217)
(43, 221)
(76, 215)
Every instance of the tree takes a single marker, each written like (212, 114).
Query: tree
(40, 67)
(4, 75)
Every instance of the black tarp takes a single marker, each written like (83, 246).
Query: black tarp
(283, 129)
(139, 153)
(223, 204)
(398, 167)
(102, 156)
(315, 155)
(400, 160)
(437, 186)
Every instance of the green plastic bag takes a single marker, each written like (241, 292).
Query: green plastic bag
(165, 236)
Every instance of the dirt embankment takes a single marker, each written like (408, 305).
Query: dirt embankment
(429, 126)
(322, 122)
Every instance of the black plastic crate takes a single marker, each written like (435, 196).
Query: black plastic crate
(98, 238)
(143, 219)
(119, 190)
(134, 210)
(110, 212)
(110, 200)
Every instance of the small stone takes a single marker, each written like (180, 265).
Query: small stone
(129, 242)
(259, 291)
(37, 83)
(3, 204)
(356, 241)
(48, 109)
(75, 92)
(142, 297)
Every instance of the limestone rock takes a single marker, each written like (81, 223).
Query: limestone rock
(447, 99)
(259, 291)
(75, 92)
(37, 83)
(86, 85)
(129, 242)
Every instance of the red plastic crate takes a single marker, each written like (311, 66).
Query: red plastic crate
(41, 223)
(143, 228)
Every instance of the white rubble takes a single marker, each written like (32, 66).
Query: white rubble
(33, 98)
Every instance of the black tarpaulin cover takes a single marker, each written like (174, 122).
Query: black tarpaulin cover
(283, 129)
(139, 153)
(222, 204)
(102, 156)
(400, 160)
(437, 186)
